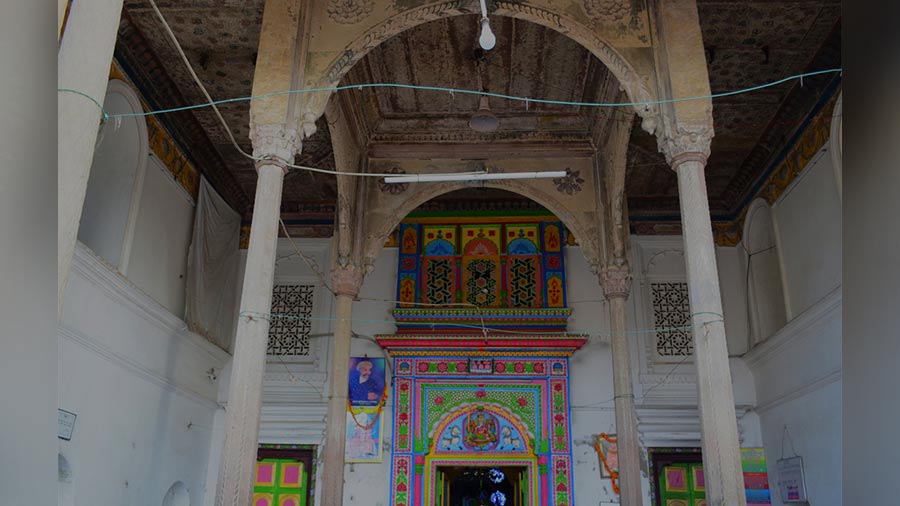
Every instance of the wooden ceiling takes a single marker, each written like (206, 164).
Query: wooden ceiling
(748, 42)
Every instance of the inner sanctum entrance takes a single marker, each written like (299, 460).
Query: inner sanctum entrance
(478, 486)
(480, 363)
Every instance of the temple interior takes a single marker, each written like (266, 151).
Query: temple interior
(450, 253)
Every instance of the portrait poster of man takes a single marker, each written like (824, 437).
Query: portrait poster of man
(365, 391)
(366, 381)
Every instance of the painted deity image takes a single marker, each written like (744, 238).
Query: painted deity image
(481, 430)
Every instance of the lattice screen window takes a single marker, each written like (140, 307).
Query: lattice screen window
(289, 327)
(671, 319)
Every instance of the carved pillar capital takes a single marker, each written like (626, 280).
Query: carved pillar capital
(686, 144)
(347, 280)
(616, 281)
(276, 143)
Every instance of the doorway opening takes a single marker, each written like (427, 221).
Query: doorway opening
(476, 485)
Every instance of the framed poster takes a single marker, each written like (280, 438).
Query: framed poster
(365, 403)
(790, 480)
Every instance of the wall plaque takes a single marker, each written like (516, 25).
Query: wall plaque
(481, 366)
(791, 481)
(66, 424)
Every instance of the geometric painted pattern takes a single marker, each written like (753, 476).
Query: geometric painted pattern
(481, 281)
(279, 482)
(290, 324)
(672, 319)
(439, 286)
(523, 282)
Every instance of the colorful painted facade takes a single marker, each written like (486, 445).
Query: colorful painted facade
(480, 359)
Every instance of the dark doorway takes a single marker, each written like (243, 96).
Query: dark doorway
(473, 486)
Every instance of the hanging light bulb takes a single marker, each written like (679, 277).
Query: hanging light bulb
(487, 40)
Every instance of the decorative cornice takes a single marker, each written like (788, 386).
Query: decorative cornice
(134, 366)
(616, 281)
(830, 303)
(118, 288)
(480, 343)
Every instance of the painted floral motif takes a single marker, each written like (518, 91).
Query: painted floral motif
(561, 480)
(348, 12)
(607, 10)
(401, 481)
(571, 183)
(522, 401)
(538, 367)
(401, 425)
(559, 421)
(519, 367)
(438, 400)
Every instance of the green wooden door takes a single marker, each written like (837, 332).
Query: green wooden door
(280, 482)
(682, 485)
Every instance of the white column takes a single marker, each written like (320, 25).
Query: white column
(616, 283)
(346, 283)
(83, 64)
(235, 486)
(721, 448)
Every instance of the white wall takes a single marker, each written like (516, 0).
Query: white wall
(798, 369)
(162, 236)
(137, 380)
(808, 224)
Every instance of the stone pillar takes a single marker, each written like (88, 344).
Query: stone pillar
(83, 62)
(345, 283)
(278, 144)
(721, 448)
(616, 283)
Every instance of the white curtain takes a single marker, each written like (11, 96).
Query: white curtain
(212, 269)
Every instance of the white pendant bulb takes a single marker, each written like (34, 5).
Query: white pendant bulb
(487, 40)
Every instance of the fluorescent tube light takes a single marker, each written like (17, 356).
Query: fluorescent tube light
(436, 178)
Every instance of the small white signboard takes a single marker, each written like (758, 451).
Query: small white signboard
(66, 424)
(791, 481)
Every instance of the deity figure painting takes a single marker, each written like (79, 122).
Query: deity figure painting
(481, 430)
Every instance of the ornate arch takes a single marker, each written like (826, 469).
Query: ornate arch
(583, 227)
(634, 84)
(527, 434)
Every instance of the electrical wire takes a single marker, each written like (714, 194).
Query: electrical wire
(215, 103)
(361, 86)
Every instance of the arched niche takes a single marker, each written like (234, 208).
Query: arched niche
(386, 215)
(177, 495)
(365, 37)
(765, 290)
(117, 174)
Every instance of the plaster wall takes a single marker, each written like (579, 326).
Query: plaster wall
(138, 382)
(808, 226)
(162, 236)
(798, 369)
